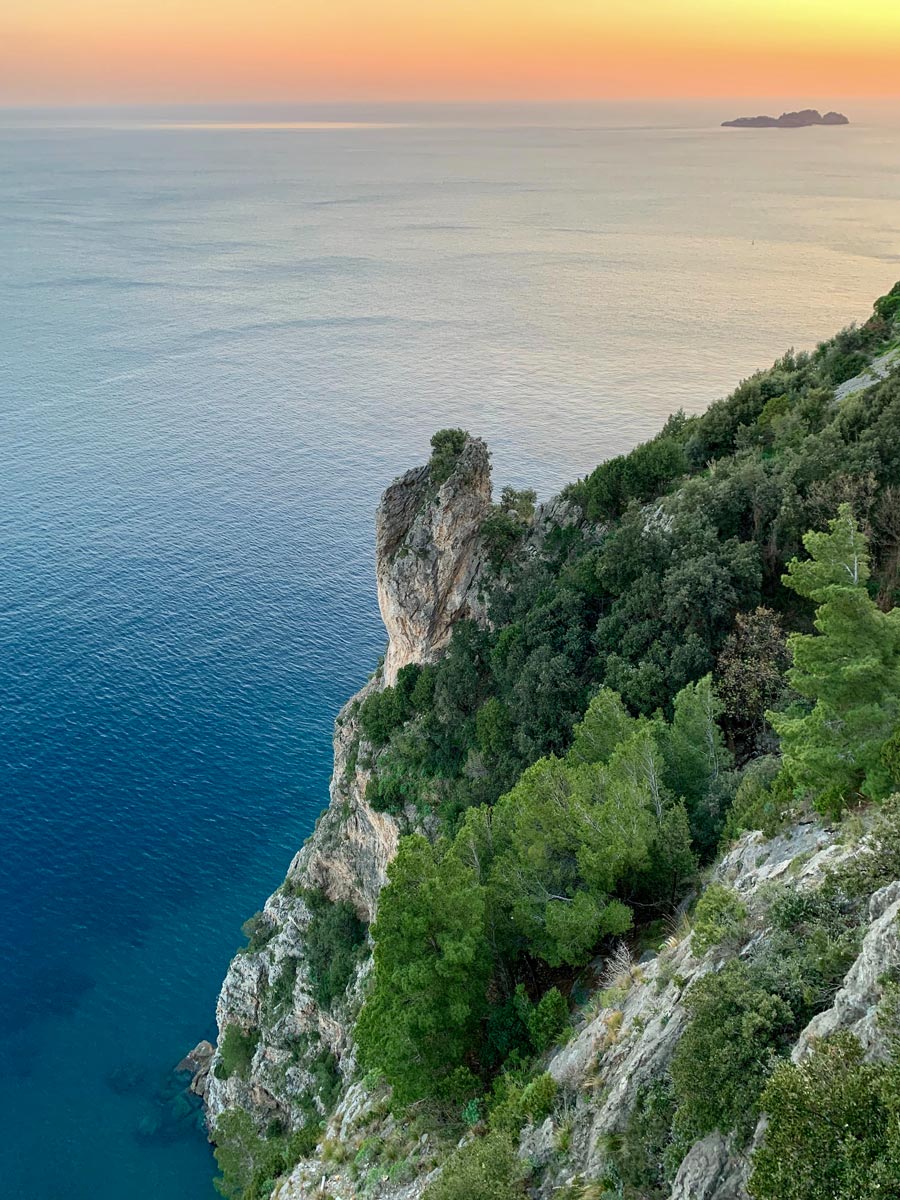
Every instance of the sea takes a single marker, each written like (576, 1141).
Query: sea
(222, 333)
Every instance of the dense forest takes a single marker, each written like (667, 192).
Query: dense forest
(701, 639)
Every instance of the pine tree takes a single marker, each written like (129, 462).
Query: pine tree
(849, 670)
(431, 973)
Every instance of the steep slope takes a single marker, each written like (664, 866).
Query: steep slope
(289, 1048)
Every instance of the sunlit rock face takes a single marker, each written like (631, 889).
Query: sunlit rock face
(429, 556)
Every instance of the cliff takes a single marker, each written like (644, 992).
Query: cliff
(544, 953)
(624, 1041)
(428, 565)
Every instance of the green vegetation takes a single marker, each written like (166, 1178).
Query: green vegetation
(334, 941)
(737, 1025)
(250, 1164)
(446, 447)
(718, 916)
(486, 1168)
(850, 671)
(834, 1127)
(710, 647)
(236, 1052)
(431, 971)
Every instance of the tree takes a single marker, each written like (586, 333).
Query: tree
(431, 973)
(567, 839)
(696, 758)
(750, 672)
(849, 670)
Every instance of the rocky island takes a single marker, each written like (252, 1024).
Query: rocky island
(789, 120)
(606, 900)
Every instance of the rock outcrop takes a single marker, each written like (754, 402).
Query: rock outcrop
(789, 120)
(428, 565)
(429, 556)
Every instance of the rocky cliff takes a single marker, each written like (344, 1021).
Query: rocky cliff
(286, 1059)
(624, 1040)
(428, 567)
(428, 556)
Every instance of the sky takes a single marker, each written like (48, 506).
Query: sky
(143, 51)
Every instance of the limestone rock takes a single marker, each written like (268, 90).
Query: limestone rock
(428, 556)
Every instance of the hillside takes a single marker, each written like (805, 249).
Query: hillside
(610, 847)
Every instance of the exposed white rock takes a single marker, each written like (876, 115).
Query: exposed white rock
(429, 556)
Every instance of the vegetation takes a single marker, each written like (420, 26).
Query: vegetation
(236, 1052)
(250, 1164)
(486, 1168)
(712, 645)
(334, 940)
(834, 1127)
(431, 971)
(849, 670)
(719, 915)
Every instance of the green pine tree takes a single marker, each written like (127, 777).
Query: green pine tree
(431, 973)
(849, 670)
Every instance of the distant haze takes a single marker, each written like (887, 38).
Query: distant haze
(107, 52)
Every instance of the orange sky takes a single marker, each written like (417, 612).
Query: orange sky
(133, 51)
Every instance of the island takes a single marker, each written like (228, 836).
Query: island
(789, 120)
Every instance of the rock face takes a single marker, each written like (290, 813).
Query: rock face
(789, 120)
(428, 563)
(429, 556)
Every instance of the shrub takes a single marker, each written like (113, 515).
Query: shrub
(641, 1158)
(486, 1168)
(833, 1129)
(380, 714)
(761, 802)
(537, 1099)
(737, 1027)
(334, 941)
(877, 860)
(259, 931)
(547, 1019)
(719, 915)
(251, 1164)
(236, 1052)
(446, 447)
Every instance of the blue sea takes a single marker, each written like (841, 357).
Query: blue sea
(221, 335)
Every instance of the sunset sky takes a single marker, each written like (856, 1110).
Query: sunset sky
(135, 51)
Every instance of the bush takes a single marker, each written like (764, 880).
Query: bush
(236, 1052)
(833, 1129)
(334, 941)
(547, 1020)
(877, 859)
(259, 931)
(251, 1164)
(446, 447)
(737, 1028)
(719, 915)
(641, 1157)
(761, 802)
(380, 714)
(537, 1099)
(486, 1168)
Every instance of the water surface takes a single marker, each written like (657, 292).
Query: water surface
(221, 337)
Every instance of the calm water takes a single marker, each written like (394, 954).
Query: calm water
(218, 346)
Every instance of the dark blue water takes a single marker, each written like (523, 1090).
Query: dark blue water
(218, 346)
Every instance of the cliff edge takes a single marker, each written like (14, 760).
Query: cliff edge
(281, 1052)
